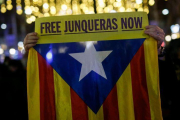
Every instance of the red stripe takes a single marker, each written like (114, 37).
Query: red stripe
(110, 106)
(79, 108)
(47, 95)
(139, 87)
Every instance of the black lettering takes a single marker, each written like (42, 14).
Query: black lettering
(108, 24)
(57, 26)
(48, 27)
(84, 25)
(124, 23)
(130, 23)
(77, 25)
(42, 27)
(114, 20)
(102, 24)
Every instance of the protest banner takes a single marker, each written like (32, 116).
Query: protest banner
(93, 67)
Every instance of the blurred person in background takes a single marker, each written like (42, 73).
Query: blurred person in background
(13, 91)
(6, 60)
(4, 68)
(171, 81)
(168, 87)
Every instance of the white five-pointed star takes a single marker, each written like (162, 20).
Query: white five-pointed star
(91, 60)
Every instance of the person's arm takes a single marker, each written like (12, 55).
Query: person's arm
(30, 40)
(157, 33)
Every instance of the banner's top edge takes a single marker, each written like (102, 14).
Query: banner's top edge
(92, 14)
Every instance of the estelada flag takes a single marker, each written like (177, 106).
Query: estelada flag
(93, 67)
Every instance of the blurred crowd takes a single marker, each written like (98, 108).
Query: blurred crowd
(13, 90)
(169, 69)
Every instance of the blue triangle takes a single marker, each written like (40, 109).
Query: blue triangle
(93, 88)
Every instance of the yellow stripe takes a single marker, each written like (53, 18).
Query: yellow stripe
(152, 76)
(98, 116)
(125, 96)
(62, 98)
(33, 86)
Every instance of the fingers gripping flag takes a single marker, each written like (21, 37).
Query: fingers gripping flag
(109, 72)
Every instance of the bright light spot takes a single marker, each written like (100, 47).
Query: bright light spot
(151, 2)
(46, 15)
(138, 1)
(16, 52)
(174, 36)
(64, 7)
(28, 20)
(1, 51)
(89, 44)
(140, 9)
(20, 48)
(69, 11)
(28, 11)
(91, 9)
(3, 26)
(168, 38)
(62, 12)
(12, 51)
(53, 10)
(146, 10)
(106, 9)
(33, 18)
(113, 11)
(81, 6)
(19, 12)
(129, 10)
(117, 4)
(175, 28)
(165, 12)
(32, 8)
(36, 9)
(4, 47)
(110, 7)
(122, 9)
(45, 6)
(91, 12)
(9, 7)
(40, 15)
(3, 9)
(8, 1)
(102, 4)
(20, 44)
(49, 56)
(85, 9)
(18, 7)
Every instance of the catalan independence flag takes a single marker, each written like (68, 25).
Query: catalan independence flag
(93, 67)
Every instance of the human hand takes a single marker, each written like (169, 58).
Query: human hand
(155, 32)
(30, 40)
